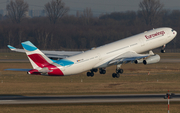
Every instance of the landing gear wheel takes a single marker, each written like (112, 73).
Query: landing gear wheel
(88, 74)
(102, 72)
(120, 71)
(94, 70)
(163, 51)
(117, 75)
(92, 74)
(114, 75)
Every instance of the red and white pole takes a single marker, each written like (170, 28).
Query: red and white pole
(168, 101)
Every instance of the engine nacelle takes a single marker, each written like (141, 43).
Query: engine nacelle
(152, 59)
(138, 61)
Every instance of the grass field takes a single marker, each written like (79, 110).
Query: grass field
(13, 55)
(135, 80)
(162, 77)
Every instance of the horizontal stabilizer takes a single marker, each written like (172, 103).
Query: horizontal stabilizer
(15, 49)
(11, 47)
(18, 70)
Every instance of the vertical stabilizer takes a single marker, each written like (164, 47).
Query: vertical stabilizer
(36, 57)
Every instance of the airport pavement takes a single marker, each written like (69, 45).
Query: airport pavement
(86, 99)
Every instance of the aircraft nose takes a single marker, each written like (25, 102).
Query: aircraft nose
(175, 33)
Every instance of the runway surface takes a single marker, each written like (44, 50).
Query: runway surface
(86, 99)
(26, 60)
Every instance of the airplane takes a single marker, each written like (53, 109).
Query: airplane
(117, 53)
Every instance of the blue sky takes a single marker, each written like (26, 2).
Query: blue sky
(98, 6)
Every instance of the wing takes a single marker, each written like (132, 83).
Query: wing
(60, 54)
(127, 57)
(51, 54)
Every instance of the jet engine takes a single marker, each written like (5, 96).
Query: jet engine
(138, 61)
(152, 59)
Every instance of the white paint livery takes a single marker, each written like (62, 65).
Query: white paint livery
(101, 56)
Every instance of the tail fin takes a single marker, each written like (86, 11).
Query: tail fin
(36, 57)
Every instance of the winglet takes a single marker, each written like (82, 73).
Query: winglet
(11, 47)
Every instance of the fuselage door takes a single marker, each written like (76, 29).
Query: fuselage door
(99, 55)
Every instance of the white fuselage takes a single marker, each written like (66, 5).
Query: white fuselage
(99, 57)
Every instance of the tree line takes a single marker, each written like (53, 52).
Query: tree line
(83, 31)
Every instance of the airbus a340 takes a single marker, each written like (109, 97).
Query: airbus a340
(116, 53)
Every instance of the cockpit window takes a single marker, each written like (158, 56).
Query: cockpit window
(172, 30)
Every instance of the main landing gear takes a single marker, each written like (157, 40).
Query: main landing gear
(91, 74)
(118, 72)
(163, 49)
(101, 71)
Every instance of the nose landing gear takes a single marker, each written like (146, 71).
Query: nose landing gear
(163, 49)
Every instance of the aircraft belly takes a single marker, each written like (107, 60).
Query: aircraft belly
(79, 67)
